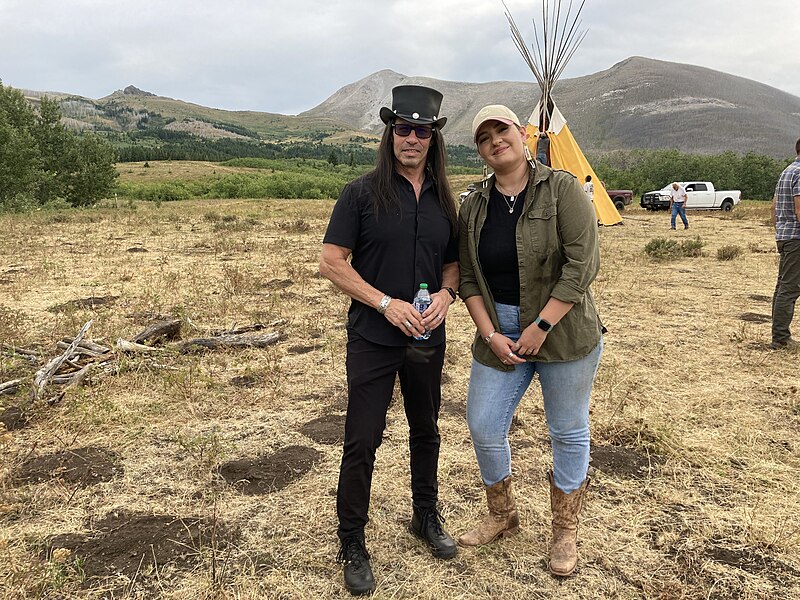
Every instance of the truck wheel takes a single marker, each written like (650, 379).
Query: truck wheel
(727, 206)
(620, 204)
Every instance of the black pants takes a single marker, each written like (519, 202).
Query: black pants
(371, 373)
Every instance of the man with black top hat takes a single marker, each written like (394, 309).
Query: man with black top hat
(391, 230)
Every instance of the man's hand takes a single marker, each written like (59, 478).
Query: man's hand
(405, 317)
(437, 311)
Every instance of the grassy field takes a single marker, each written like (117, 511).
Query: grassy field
(186, 475)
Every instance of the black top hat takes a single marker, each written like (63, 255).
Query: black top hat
(416, 104)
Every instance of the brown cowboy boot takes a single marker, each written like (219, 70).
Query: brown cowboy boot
(564, 551)
(502, 520)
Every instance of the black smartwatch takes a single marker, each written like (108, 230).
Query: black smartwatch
(452, 293)
(543, 325)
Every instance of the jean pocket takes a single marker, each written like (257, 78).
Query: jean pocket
(508, 316)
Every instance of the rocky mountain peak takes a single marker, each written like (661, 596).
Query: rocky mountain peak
(132, 90)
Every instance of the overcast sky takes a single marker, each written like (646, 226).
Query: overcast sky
(287, 56)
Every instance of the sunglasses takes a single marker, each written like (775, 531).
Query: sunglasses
(404, 130)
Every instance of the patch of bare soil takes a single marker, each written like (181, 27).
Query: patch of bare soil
(267, 474)
(278, 284)
(91, 302)
(13, 418)
(82, 467)
(755, 317)
(454, 406)
(624, 462)
(753, 561)
(303, 349)
(245, 381)
(327, 429)
(129, 543)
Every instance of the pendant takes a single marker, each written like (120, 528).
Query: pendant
(511, 206)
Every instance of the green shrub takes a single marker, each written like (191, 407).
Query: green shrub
(729, 252)
(667, 249)
(662, 248)
(692, 248)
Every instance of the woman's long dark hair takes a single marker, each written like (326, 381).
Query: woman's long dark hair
(383, 187)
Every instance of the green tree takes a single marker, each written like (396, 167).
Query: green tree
(20, 160)
(41, 161)
(89, 172)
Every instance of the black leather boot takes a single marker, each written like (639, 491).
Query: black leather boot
(426, 524)
(358, 578)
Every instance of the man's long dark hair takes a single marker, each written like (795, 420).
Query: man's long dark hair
(383, 186)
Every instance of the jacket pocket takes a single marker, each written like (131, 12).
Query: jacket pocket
(542, 230)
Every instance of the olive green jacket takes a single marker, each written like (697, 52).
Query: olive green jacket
(558, 254)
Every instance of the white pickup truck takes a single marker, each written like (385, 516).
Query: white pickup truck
(699, 195)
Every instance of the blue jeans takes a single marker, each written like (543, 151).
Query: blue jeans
(494, 395)
(679, 208)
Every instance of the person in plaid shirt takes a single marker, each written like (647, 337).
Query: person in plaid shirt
(786, 218)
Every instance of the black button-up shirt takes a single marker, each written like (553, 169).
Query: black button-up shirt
(394, 252)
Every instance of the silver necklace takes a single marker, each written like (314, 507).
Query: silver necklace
(510, 200)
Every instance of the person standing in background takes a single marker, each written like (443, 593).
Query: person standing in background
(588, 188)
(677, 204)
(786, 218)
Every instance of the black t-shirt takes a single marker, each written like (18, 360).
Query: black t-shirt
(497, 249)
(394, 252)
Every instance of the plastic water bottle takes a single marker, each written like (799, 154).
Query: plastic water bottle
(422, 300)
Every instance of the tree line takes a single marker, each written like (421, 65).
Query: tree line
(647, 170)
(42, 162)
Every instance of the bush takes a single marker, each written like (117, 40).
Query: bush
(667, 249)
(692, 248)
(729, 252)
(662, 248)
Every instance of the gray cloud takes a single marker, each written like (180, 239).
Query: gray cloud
(286, 57)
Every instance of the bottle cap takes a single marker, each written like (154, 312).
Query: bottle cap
(423, 286)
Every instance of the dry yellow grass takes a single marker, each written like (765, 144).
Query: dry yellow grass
(695, 421)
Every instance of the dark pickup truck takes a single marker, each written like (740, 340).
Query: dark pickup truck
(620, 198)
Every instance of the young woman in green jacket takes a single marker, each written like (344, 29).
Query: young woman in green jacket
(528, 254)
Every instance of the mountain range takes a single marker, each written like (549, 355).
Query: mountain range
(637, 103)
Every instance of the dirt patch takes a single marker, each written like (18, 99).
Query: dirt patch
(130, 543)
(760, 298)
(14, 418)
(81, 467)
(303, 349)
(245, 381)
(91, 302)
(137, 249)
(454, 407)
(267, 474)
(328, 429)
(752, 561)
(755, 318)
(625, 462)
(278, 284)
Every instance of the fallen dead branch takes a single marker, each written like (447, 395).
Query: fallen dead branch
(29, 355)
(231, 341)
(9, 387)
(44, 374)
(248, 328)
(166, 329)
(132, 347)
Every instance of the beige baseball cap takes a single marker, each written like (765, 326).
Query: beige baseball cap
(494, 112)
